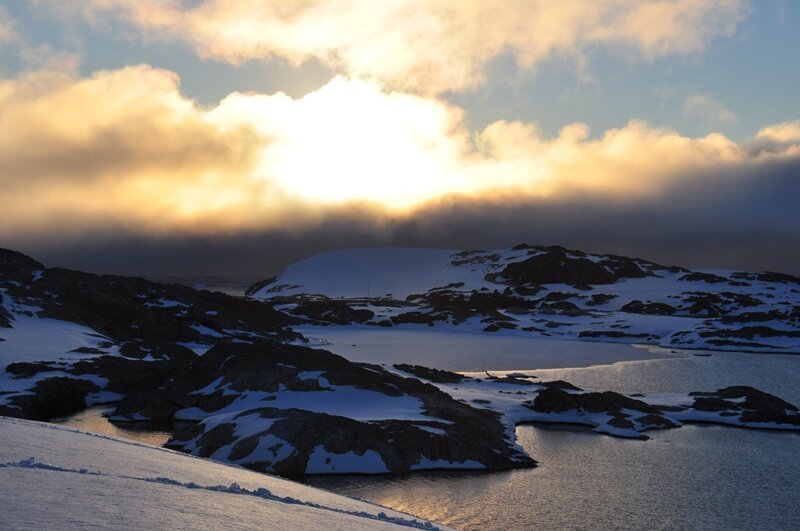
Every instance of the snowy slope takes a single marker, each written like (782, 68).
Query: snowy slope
(372, 272)
(55, 477)
(544, 292)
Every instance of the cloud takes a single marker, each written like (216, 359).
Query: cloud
(708, 110)
(742, 217)
(420, 45)
(121, 146)
(8, 27)
(44, 57)
(125, 150)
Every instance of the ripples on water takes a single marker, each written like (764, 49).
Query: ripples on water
(695, 477)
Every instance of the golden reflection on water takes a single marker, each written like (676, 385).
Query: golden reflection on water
(93, 420)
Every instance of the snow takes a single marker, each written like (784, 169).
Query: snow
(373, 272)
(194, 346)
(345, 401)
(43, 339)
(431, 429)
(55, 477)
(34, 339)
(322, 461)
(358, 274)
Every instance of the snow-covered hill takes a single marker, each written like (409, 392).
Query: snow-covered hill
(53, 477)
(544, 292)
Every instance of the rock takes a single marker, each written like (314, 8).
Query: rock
(555, 267)
(17, 267)
(470, 434)
(600, 298)
(616, 334)
(51, 398)
(432, 375)
(26, 369)
(418, 318)
(331, 311)
(555, 400)
(509, 379)
(258, 286)
(768, 276)
(5, 317)
(649, 308)
(560, 384)
(621, 423)
(703, 277)
(652, 421)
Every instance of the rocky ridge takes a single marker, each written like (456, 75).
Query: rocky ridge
(547, 292)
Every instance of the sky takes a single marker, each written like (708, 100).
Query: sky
(211, 137)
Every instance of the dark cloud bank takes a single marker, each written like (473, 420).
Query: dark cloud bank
(732, 219)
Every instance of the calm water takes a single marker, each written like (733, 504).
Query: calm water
(690, 478)
(92, 420)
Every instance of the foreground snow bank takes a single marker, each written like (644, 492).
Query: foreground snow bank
(55, 477)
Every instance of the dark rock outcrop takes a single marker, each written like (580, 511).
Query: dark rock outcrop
(51, 398)
(649, 308)
(17, 267)
(626, 416)
(750, 405)
(555, 400)
(332, 311)
(466, 433)
(432, 375)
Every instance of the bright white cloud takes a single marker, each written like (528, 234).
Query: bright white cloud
(425, 46)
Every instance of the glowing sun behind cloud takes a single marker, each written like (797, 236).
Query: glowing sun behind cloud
(350, 140)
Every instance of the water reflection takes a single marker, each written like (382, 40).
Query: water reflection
(705, 477)
(94, 420)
